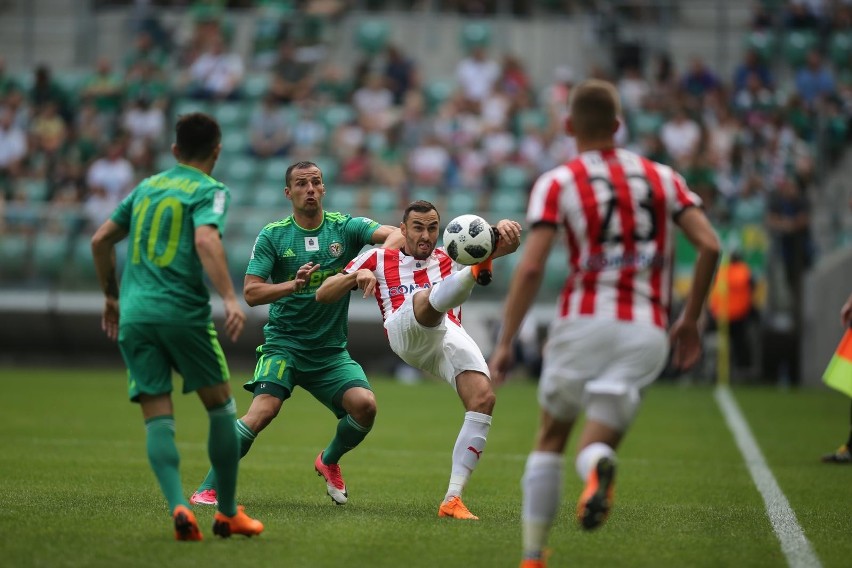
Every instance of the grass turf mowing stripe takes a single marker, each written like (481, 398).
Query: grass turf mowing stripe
(794, 543)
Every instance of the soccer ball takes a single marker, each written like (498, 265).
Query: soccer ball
(469, 239)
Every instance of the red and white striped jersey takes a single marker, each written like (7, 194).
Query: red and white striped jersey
(399, 275)
(618, 210)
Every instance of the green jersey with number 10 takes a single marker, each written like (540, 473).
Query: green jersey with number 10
(163, 279)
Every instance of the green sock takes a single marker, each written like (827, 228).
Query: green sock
(164, 458)
(246, 436)
(223, 449)
(349, 434)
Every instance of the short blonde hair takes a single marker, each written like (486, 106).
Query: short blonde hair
(594, 109)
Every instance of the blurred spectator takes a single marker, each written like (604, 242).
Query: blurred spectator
(476, 75)
(388, 163)
(815, 80)
(13, 150)
(113, 173)
(799, 16)
(750, 206)
(216, 73)
(514, 82)
(400, 74)
(97, 207)
(699, 80)
(681, 136)
(755, 100)
(48, 129)
(751, 65)
(736, 305)
(291, 79)
(374, 103)
(332, 85)
(269, 129)
(7, 82)
(428, 162)
(633, 89)
(309, 133)
(144, 81)
(355, 169)
(105, 88)
(789, 222)
(145, 125)
(145, 50)
(664, 79)
(45, 91)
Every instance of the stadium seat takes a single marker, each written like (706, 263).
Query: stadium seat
(797, 44)
(185, 106)
(235, 141)
(165, 161)
(334, 115)
(231, 115)
(329, 167)
(372, 36)
(475, 34)
(272, 171)
(255, 85)
(36, 189)
(242, 193)
(50, 251)
(761, 42)
(508, 203)
(14, 256)
(556, 270)
(437, 92)
(428, 193)
(461, 201)
(343, 198)
(270, 197)
(269, 18)
(840, 49)
(238, 170)
(238, 251)
(512, 178)
(383, 200)
(83, 265)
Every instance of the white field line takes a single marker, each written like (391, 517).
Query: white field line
(794, 543)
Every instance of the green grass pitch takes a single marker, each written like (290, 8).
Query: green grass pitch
(76, 489)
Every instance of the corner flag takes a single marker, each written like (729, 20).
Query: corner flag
(838, 374)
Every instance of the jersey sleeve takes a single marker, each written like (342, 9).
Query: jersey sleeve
(262, 257)
(360, 230)
(682, 198)
(366, 260)
(124, 212)
(544, 201)
(212, 207)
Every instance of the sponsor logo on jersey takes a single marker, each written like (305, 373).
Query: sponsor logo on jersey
(335, 249)
(405, 289)
(311, 244)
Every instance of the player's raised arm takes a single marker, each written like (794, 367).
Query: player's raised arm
(337, 286)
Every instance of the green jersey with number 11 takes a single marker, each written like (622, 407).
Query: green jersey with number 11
(163, 279)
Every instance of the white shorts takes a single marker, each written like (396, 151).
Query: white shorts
(446, 350)
(601, 365)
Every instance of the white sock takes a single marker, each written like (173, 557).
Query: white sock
(589, 456)
(468, 449)
(542, 488)
(452, 291)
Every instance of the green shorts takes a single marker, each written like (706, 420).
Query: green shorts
(278, 372)
(151, 351)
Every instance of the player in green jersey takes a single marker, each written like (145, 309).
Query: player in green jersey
(162, 321)
(305, 341)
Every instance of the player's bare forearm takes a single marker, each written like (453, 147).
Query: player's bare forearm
(336, 287)
(701, 234)
(258, 292)
(388, 237)
(103, 253)
(208, 244)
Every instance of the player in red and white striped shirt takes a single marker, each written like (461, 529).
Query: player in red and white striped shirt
(420, 290)
(608, 341)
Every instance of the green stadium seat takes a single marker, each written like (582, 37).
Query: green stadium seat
(372, 36)
(555, 271)
(531, 119)
(255, 85)
(242, 170)
(36, 189)
(238, 251)
(512, 178)
(50, 251)
(235, 141)
(334, 115)
(272, 171)
(761, 42)
(462, 201)
(242, 193)
(186, 106)
(383, 200)
(475, 34)
(428, 193)
(14, 256)
(82, 263)
(797, 44)
(343, 198)
(437, 92)
(840, 49)
(231, 115)
(508, 203)
(329, 167)
(270, 198)
(165, 161)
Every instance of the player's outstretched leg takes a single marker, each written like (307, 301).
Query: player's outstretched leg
(239, 523)
(483, 272)
(186, 527)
